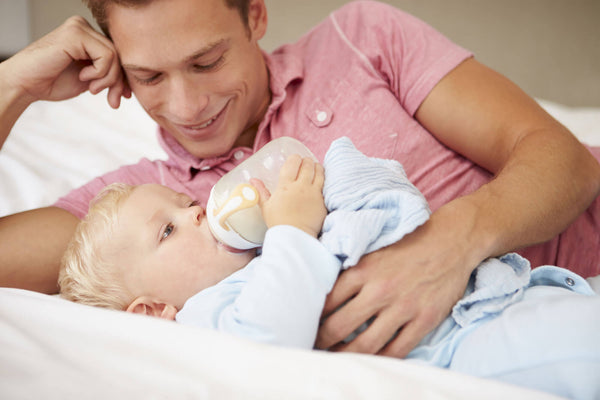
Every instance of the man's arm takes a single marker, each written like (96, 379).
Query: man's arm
(12, 105)
(66, 62)
(31, 246)
(544, 179)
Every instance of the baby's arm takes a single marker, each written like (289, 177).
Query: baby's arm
(283, 299)
(279, 296)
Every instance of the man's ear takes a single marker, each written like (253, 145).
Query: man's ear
(257, 18)
(152, 307)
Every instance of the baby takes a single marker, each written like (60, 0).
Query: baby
(148, 249)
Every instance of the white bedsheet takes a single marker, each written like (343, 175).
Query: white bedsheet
(57, 146)
(50, 348)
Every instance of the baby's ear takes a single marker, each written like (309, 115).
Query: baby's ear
(152, 307)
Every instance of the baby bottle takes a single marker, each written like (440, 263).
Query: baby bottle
(232, 210)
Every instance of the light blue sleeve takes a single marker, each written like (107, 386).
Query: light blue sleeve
(277, 298)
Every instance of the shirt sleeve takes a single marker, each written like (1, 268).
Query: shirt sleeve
(276, 299)
(77, 200)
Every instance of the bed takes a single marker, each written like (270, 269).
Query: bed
(54, 349)
(51, 348)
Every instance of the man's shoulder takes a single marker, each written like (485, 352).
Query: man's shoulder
(360, 6)
(367, 22)
(349, 22)
(367, 11)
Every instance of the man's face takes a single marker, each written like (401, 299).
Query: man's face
(196, 68)
(164, 244)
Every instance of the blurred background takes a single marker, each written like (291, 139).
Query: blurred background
(551, 48)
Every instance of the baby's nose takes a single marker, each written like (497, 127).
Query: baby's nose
(198, 213)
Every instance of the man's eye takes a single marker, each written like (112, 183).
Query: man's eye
(168, 230)
(147, 81)
(209, 67)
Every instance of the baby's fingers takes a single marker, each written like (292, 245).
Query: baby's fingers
(307, 171)
(263, 192)
(289, 170)
(319, 180)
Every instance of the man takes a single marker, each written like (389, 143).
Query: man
(398, 88)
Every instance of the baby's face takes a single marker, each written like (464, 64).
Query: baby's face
(164, 241)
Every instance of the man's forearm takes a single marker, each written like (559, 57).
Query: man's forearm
(547, 182)
(12, 104)
(31, 246)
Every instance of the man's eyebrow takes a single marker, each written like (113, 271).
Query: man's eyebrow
(200, 53)
(206, 50)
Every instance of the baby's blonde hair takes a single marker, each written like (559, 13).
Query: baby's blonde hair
(86, 275)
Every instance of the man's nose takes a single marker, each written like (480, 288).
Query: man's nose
(186, 101)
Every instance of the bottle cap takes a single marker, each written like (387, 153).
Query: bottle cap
(242, 197)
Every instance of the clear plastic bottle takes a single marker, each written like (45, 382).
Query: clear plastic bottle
(232, 211)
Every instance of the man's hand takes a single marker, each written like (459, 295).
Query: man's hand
(409, 288)
(298, 198)
(66, 62)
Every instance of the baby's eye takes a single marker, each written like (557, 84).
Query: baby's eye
(168, 230)
(194, 203)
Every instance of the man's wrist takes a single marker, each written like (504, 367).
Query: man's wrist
(12, 96)
(12, 103)
(470, 230)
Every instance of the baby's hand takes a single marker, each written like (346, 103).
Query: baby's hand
(298, 198)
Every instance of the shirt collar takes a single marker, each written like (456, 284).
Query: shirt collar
(284, 69)
(183, 164)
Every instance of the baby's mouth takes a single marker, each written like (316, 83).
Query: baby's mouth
(226, 247)
(232, 249)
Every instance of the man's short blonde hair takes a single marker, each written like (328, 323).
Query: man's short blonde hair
(86, 274)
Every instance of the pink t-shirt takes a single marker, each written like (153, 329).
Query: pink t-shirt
(361, 73)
